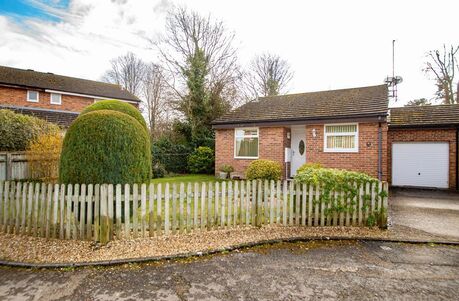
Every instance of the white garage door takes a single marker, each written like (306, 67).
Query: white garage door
(420, 164)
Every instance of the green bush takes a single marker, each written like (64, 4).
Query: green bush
(347, 184)
(264, 170)
(308, 165)
(17, 131)
(119, 106)
(332, 178)
(173, 156)
(202, 160)
(105, 147)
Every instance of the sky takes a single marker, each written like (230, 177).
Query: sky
(329, 44)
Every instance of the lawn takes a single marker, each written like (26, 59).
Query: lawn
(186, 179)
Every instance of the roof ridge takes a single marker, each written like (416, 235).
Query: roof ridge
(426, 106)
(320, 91)
(66, 76)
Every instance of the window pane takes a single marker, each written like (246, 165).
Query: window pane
(344, 142)
(33, 95)
(346, 128)
(55, 98)
(247, 147)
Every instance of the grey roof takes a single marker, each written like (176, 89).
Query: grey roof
(61, 118)
(425, 115)
(343, 103)
(34, 79)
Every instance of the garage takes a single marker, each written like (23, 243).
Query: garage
(420, 164)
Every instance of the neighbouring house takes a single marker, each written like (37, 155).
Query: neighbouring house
(56, 98)
(346, 129)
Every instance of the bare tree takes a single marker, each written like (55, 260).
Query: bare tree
(268, 75)
(128, 71)
(443, 65)
(155, 92)
(186, 33)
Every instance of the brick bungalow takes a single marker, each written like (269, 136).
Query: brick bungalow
(56, 98)
(346, 129)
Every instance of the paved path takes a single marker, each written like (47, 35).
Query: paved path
(434, 212)
(300, 271)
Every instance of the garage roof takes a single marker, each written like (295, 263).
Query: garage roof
(424, 115)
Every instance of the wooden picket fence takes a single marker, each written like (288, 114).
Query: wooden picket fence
(106, 212)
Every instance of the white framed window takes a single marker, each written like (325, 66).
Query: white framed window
(246, 141)
(32, 96)
(56, 98)
(342, 137)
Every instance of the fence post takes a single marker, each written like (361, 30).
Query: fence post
(189, 220)
(166, 210)
(151, 206)
(135, 207)
(127, 211)
(118, 210)
(143, 207)
(104, 235)
(96, 212)
(159, 204)
(203, 205)
(89, 215)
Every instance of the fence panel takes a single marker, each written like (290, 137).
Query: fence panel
(106, 212)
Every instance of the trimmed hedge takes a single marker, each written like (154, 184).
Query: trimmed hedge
(17, 131)
(119, 106)
(264, 170)
(202, 161)
(105, 147)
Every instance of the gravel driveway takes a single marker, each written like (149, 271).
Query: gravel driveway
(290, 271)
(434, 212)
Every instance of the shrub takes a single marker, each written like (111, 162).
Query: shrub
(119, 106)
(202, 160)
(43, 157)
(332, 178)
(158, 171)
(17, 131)
(308, 165)
(226, 168)
(105, 147)
(264, 170)
(173, 156)
(347, 184)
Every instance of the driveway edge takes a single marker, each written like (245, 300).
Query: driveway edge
(211, 252)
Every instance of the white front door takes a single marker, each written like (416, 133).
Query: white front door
(422, 164)
(298, 147)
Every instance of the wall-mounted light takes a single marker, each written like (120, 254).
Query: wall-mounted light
(288, 135)
(314, 133)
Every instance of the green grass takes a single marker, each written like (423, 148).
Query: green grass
(186, 179)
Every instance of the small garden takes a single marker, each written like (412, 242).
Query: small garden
(104, 181)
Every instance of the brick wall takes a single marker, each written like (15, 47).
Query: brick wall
(18, 97)
(425, 135)
(365, 160)
(272, 141)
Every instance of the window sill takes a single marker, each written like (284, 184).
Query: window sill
(246, 158)
(341, 151)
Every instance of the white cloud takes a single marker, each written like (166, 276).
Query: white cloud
(330, 44)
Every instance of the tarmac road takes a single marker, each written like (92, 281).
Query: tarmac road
(345, 270)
